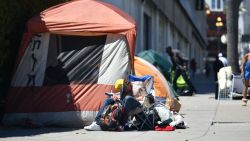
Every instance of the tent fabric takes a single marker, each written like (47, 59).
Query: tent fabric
(78, 55)
(83, 93)
(37, 49)
(97, 17)
(44, 118)
(84, 17)
(115, 59)
(163, 63)
(161, 87)
(81, 59)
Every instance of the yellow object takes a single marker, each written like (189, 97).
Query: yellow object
(180, 82)
(118, 85)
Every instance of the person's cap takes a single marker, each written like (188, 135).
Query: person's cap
(220, 55)
(119, 84)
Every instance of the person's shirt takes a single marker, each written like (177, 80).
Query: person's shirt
(173, 61)
(244, 61)
(126, 91)
(224, 61)
(217, 66)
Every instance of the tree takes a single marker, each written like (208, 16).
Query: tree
(232, 16)
(13, 15)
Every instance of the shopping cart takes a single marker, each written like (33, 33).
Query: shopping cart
(237, 86)
(224, 83)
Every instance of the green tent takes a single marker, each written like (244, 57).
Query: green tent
(161, 62)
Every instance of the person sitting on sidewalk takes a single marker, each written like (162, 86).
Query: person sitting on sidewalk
(245, 70)
(129, 104)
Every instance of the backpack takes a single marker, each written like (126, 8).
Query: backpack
(112, 118)
(147, 120)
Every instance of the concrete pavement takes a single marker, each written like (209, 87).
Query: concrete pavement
(208, 119)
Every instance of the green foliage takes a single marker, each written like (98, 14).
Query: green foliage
(13, 16)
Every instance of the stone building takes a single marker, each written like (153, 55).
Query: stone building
(180, 24)
(244, 28)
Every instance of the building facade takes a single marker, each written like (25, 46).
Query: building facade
(244, 28)
(217, 10)
(216, 21)
(216, 5)
(180, 24)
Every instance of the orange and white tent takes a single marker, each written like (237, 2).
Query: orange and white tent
(70, 55)
(161, 86)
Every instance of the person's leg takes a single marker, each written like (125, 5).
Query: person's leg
(244, 92)
(130, 104)
(95, 125)
(107, 102)
(245, 82)
(216, 90)
(245, 87)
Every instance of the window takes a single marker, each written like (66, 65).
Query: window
(200, 4)
(213, 4)
(218, 4)
(224, 2)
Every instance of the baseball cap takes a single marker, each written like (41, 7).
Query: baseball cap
(119, 84)
(220, 55)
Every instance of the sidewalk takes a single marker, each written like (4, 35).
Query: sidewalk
(203, 84)
(207, 118)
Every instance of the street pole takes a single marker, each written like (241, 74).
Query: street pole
(218, 38)
(219, 24)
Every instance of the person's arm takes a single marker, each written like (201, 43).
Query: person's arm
(140, 98)
(241, 69)
(116, 96)
(244, 59)
(140, 95)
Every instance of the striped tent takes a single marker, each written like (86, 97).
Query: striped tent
(70, 55)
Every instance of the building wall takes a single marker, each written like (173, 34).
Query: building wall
(162, 23)
(194, 14)
(245, 15)
(244, 28)
(216, 5)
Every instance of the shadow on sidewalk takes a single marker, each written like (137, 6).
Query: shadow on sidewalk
(203, 84)
(6, 132)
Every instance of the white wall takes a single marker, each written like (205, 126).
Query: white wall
(244, 26)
